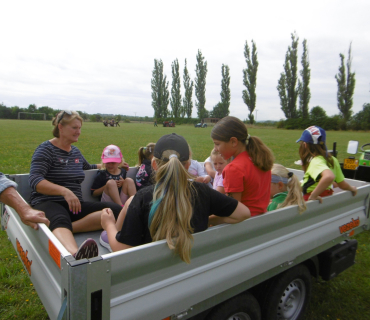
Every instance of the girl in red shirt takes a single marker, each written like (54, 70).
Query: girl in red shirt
(248, 177)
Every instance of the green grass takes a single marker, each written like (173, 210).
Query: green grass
(345, 297)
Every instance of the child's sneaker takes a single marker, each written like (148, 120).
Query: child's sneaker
(88, 249)
(104, 240)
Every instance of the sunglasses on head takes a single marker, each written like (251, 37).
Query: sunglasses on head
(64, 112)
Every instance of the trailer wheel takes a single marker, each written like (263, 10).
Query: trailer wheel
(242, 307)
(287, 295)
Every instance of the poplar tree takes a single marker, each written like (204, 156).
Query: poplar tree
(188, 85)
(160, 92)
(303, 85)
(287, 84)
(346, 86)
(225, 90)
(200, 85)
(250, 79)
(166, 96)
(175, 90)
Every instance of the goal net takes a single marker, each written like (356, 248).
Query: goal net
(31, 116)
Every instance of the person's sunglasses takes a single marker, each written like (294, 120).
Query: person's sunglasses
(64, 112)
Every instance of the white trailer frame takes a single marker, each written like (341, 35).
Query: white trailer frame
(150, 282)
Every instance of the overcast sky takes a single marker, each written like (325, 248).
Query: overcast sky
(99, 56)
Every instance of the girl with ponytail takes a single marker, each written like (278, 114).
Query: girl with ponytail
(144, 166)
(320, 168)
(248, 177)
(172, 209)
(285, 189)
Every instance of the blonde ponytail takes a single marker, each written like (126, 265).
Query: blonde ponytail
(294, 196)
(171, 209)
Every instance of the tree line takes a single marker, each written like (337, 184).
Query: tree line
(293, 87)
(35, 113)
(317, 115)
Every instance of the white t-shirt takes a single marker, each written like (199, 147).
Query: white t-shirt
(196, 169)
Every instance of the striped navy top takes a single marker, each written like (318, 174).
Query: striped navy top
(59, 167)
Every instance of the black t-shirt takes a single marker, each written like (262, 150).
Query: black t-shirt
(103, 176)
(206, 202)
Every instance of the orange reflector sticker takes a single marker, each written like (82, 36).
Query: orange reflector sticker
(54, 253)
(352, 233)
(168, 318)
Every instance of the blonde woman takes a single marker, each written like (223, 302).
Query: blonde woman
(57, 171)
(285, 189)
(173, 208)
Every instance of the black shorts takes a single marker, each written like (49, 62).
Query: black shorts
(60, 217)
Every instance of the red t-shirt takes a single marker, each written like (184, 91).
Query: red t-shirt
(241, 175)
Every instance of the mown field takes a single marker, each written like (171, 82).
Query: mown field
(345, 297)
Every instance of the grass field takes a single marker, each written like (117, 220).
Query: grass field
(345, 297)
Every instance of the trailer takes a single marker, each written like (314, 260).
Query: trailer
(260, 268)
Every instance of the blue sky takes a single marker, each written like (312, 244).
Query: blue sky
(98, 57)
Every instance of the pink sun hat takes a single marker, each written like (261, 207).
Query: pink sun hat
(111, 153)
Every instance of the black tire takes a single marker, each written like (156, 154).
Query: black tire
(242, 307)
(287, 295)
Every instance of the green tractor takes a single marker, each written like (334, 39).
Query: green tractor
(365, 156)
(358, 169)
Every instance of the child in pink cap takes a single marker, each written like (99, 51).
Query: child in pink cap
(111, 183)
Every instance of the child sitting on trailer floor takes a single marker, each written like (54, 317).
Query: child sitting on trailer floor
(248, 177)
(219, 163)
(197, 170)
(321, 169)
(111, 183)
(144, 173)
(285, 189)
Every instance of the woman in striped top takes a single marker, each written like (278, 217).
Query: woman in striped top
(57, 171)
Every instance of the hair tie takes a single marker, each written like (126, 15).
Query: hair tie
(144, 148)
(247, 140)
(172, 155)
(290, 175)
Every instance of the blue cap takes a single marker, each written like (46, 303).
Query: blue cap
(314, 135)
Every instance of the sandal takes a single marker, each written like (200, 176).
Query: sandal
(88, 249)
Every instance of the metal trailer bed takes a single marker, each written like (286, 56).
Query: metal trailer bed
(149, 282)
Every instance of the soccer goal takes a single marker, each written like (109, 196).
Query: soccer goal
(31, 116)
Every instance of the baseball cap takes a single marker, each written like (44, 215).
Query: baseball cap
(172, 142)
(111, 153)
(314, 135)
